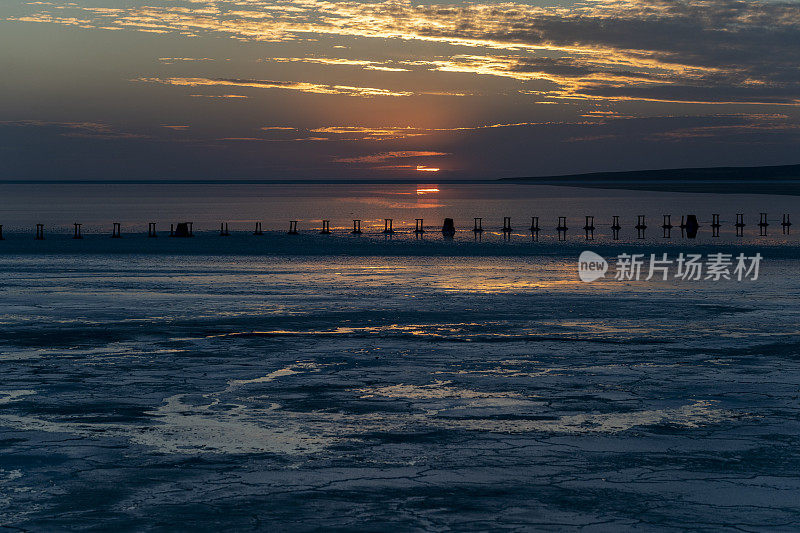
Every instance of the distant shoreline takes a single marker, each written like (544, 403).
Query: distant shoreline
(776, 179)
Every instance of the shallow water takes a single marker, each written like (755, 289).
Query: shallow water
(151, 392)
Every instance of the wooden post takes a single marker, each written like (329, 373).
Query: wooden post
(478, 225)
(387, 226)
(115, 231)
(715, 220)
(258, 230)
(615, 223)
(1, 233)
(172, 230)
(562, 224)
(786, 222)
(223, 229)
(326, 227)
(292, 227)
(151, 230)
(667, 222)
(356, 226)
(535, 225)
(506, 224)
(589, 226)
(77, 232)
(762, 221)
(39, 232)
(418, 226)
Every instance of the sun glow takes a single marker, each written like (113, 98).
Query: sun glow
(427, 190)
(423, 168)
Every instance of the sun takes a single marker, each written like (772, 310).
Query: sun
(423, 168)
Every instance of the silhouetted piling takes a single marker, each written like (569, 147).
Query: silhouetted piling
(387, 226)
(715, 220)
(448, 228)
(418, 226)
(151, 230)
(535, 225)
(223, 229)
(1, 233)
(182, 229)
(739, 225)
(762, 225)
(478, 225)
(258, 230)
(641, 225)
(615, 223)
(292, 227)
(77, 231)
(691, 226)
(356, 226)
(562, 228)
(39, 232)
(588, 228)
(507, 225)
(326, 227)
(786, 224)
(666, 226)
(116, 232)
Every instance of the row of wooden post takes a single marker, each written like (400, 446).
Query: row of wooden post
(185, 228)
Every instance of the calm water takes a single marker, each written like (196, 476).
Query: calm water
(97, 206)
(207, 390)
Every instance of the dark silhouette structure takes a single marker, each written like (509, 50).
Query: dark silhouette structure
(326, 227)
(151, 230)
(1, 233)
(507, 225)
(691, 226)
(77, 231)
(223, 229)
(478, 225)
(116, 232)
(535, 225)
(448, 228)
(562, 228)
(258, 230)
(739, 225)
(666, 226)
(418, 226)
(356, 226)
(292, 227)
(588, 228)
(39, 232)
(387, 226)
(182, 229)
(762, 225)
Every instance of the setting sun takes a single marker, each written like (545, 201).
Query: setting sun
(423, 168)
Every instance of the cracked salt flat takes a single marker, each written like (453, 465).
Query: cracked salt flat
(572, 406)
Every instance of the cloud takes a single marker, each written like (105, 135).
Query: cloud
(694, 51)
(93, 130)
(387, 156)
(305, 87)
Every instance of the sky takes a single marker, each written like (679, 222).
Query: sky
(143, 89)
